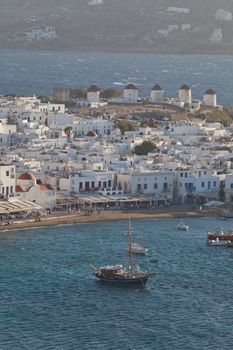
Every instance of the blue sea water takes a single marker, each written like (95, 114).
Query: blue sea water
(30, 72)
(49, 298)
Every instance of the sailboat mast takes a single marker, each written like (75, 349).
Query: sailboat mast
(130, 247)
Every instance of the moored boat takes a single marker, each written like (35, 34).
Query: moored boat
(221, 235)
(217, 243)
(118, 275)
(139, 249)
(182, 226)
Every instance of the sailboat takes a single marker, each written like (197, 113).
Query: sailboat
(118, 275)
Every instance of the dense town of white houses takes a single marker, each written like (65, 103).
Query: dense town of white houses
(57, 159)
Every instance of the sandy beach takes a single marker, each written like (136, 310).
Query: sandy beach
(75, 218)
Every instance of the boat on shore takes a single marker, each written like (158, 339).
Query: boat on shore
(182, 226)
(221, 235)
(118, 275)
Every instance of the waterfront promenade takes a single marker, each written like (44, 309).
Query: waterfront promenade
(59, 218)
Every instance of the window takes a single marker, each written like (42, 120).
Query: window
(165, 186)
(181, 174)
(80, 185)
(202, 184)
(92, 184)
(7, 173)
(155, 186)
(186, 174)
(145, 186)
(11, 190)
(139, 187)
(216, 184)
(109, 183)
(231, 185)
(3, 190)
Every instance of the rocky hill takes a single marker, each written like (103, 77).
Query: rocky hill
(156, 26)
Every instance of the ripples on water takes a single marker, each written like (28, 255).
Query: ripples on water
(49, 298)
(36, 72)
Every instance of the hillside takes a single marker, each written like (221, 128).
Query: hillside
(118, 25)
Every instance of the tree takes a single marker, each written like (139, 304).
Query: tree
(110, 93)
(68, 131)
(144, 148)
(125, 125)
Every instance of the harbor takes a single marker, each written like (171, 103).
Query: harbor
(51, 298)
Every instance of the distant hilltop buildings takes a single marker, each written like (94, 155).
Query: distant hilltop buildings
(37, 34)
(183, 10)
(223, 15)
(95, 2)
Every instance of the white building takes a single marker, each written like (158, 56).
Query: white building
(95, 2)
(185, 27)
(93, 94)
(29, 188)
(60, 120)
(7, 180)
(216, 36)
(183, 10)
(210, 98)
(157, 184)
(100, 126)
(157, 94)
(6, 132)
(185, 95)
(50, 107)
(229, 187)
(91, 181)
(191, 184)
(43, 33)
(130, 93)
(182, 129)
(223, 15)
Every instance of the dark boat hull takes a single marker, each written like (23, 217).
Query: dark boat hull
(139, 282)
(212, 236)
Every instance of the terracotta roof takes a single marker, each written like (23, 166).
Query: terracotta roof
(26, 176)
(185, 87)
(93, 88)
(157, 87)
(45, 187)
(91, 134)
(131, 87)
(18, 188)
(210, 92)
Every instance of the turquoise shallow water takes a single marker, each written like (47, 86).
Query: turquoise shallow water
(49, 298)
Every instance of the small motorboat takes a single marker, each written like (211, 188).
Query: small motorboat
(139, 249)
(182, 226)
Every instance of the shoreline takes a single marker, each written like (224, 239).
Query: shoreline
(72, 219)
